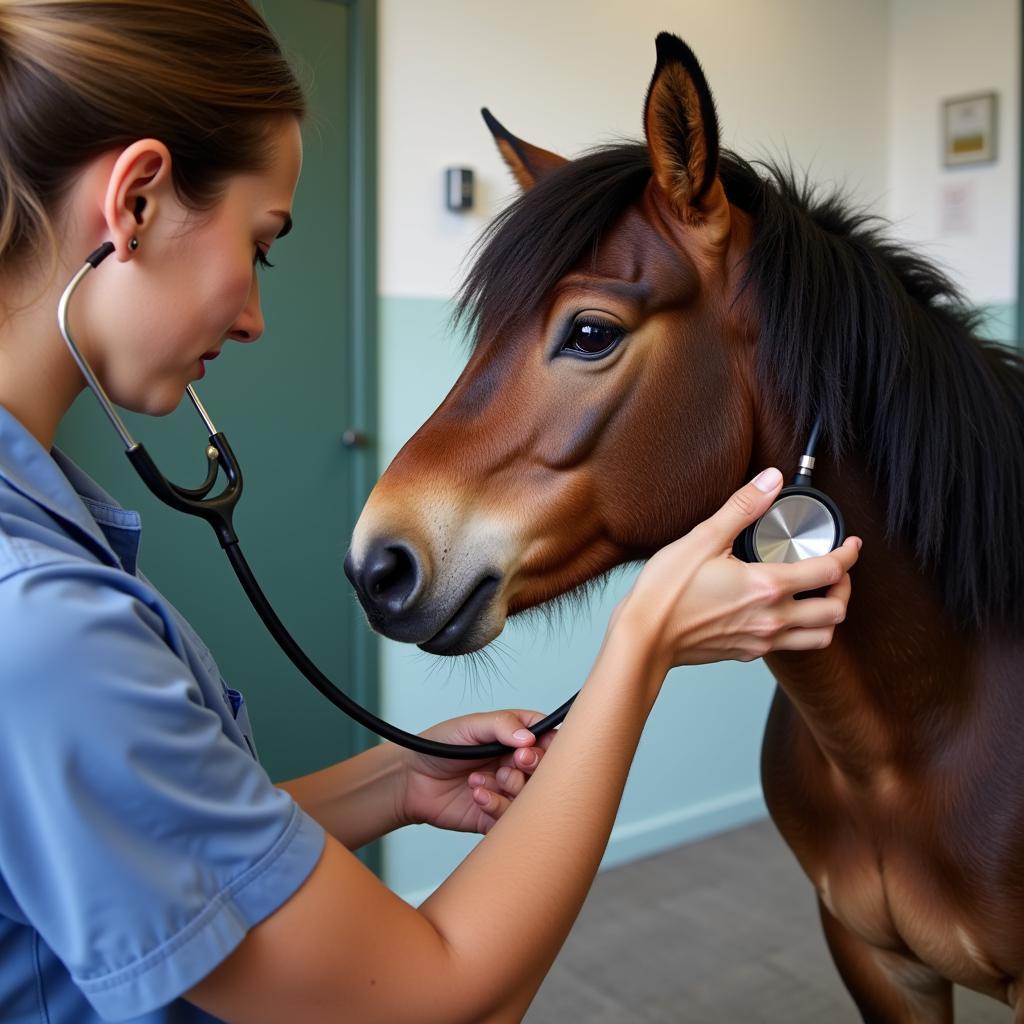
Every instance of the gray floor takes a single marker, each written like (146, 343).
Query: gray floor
(724, 930)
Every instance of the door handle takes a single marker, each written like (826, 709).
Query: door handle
(353, 438)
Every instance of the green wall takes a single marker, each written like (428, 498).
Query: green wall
(284, 403)
(1001, 322)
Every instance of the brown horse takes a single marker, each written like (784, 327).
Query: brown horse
(655, 322)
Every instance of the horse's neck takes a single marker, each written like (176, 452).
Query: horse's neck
(898, 657)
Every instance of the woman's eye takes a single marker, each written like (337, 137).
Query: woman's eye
(592, 339)
(260, 258)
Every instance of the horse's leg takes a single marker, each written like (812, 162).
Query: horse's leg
(887, 987)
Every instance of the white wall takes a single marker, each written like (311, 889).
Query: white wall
(941, 49)
(805, 77)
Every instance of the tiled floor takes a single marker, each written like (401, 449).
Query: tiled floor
(725, 930)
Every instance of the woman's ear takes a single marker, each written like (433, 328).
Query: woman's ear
(682, 137)
(138, 180)
(528, 163)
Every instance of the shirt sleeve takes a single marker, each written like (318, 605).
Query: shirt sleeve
(136, 837)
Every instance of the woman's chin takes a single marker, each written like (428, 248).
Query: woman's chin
(159, 402)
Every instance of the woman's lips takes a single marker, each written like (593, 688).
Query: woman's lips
(203, 359)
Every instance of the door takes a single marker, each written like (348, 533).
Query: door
(285, 404)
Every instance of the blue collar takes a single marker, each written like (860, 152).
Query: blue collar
(53, 482)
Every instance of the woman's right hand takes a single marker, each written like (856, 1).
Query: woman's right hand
(695, 603)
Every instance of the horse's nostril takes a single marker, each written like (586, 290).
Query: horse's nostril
(390, 577)
(387, 572)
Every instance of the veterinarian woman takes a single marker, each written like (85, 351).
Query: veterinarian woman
(149, 869)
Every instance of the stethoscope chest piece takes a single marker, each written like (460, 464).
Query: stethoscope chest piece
(802, 523)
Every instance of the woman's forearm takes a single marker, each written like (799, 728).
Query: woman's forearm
(523, 885)
(356, 800)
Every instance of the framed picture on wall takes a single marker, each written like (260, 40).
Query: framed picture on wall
(969, 129)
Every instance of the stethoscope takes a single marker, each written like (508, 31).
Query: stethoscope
(802, 522)
(793, 519)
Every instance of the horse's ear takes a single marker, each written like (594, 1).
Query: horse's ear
(528, 163)
(682, 135)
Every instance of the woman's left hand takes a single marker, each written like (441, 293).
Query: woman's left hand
(470, 796)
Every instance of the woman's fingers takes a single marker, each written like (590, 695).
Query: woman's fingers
(814, 612)
(813, 621)
(807, 625)
(483, 780)
(813, 573)
(511, 780)
(528, 758)
(493, 804)
(803, 639)
(506, 780)
(841, 590)
(512, 727)
(743, 508)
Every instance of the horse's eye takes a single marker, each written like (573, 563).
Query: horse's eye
(592, 339)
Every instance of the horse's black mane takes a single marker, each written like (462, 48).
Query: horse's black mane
(853, 326)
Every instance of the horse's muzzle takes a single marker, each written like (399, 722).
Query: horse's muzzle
(461, 633)
(394, 591)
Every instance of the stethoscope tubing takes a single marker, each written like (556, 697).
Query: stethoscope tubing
(341, 700)
(218, 511)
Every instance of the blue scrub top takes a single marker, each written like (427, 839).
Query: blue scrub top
(140, 839)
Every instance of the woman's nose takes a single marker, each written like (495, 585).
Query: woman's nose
(249, 325)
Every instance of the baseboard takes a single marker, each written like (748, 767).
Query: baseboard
(697, 821)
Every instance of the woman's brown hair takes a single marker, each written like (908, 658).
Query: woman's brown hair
(80, 77)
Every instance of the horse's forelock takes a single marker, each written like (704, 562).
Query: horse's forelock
(535, 241)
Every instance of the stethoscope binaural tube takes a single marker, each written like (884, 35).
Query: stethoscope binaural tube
(218, 511)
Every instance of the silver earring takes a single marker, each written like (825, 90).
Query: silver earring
(133, 244)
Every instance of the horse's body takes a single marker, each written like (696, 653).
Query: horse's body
(890, 765)
(653, 324)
